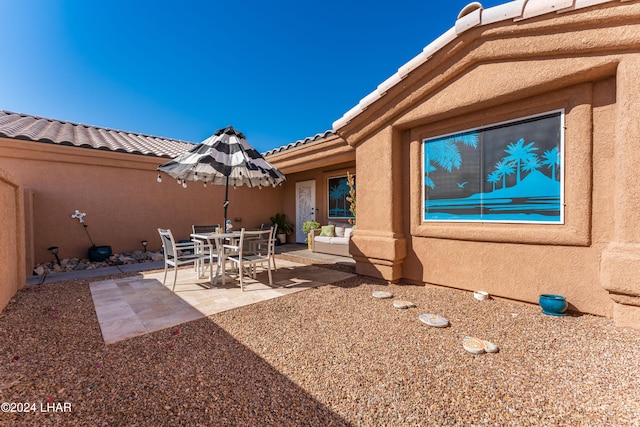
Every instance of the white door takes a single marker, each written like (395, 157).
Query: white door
(305, 206)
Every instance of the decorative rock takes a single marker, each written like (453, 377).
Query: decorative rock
(490, 347)
(434, 320)
(157, 256)
(402, 304)
(473, 345)
(71, 264)
(138, 255)
(379, 294)
(481, 295)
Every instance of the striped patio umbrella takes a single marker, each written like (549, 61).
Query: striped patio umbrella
(225, 158)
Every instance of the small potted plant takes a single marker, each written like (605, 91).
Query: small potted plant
(96, 253)
(306, 229)
(285, 227)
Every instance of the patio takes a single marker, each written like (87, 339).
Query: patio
(131, 306)
(137, 305)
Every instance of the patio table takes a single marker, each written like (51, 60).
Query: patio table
(215, 240)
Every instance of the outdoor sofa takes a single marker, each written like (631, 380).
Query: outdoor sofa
(332, 239)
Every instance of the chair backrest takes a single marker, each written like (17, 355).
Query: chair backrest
(204, 228)
(168, 243)
(261, 235)
(270, 240)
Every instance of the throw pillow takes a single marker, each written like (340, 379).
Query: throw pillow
(339, 231)
(347, 232)
(327, 230)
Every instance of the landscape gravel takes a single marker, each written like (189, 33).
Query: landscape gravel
(330, 356)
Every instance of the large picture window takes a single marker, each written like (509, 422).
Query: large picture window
(338, 191)
(507, 172)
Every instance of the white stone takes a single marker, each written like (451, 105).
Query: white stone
(490, 347)
(382, 294)
(403, 304)
(473, 345)
(434, 320)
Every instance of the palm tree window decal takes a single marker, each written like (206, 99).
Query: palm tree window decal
(496, 173)
(446, 154)
(338, 193)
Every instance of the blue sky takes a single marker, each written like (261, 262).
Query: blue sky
(278, 71)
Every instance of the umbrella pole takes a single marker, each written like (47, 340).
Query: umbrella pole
(226, 203)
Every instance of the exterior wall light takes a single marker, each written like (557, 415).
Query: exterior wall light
(54, 251)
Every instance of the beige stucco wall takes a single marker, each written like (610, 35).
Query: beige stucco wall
(584, 62)
(121, 196)
(12, 244)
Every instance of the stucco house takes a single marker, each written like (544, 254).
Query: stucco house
(501, 158)
(559, 77)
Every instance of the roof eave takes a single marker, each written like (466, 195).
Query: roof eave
(513, 11)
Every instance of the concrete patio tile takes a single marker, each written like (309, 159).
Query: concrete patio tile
(122, 328)
(138, 305)
(114, 310)
(103, 285)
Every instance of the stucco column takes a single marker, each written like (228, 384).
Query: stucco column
(378, 245)
(620, 268)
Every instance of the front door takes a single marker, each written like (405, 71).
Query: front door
(305, 206)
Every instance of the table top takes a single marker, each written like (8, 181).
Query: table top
(207, 236)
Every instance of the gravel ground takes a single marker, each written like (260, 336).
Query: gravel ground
(327, 356)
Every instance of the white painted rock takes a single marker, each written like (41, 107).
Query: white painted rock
(382, 294)
(490, 347)
(403, 304)
(434, 320)
(473, 345)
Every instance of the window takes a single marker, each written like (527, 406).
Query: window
(337, 192)
(507, 172)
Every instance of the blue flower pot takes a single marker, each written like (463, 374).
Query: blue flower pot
(99, 253)
(553, 305)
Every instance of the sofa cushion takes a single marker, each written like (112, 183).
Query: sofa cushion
(328, 230)
(347, 232)
(332, 240)
(339, 231)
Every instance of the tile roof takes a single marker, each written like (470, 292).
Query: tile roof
(300, 142)
(39, 129)
(472, 15)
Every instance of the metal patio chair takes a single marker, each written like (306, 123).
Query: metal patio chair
(250, 261)
(178, 254)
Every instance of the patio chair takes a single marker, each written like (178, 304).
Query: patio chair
(206, 247)
(268, 246)
(197, 229)
(250, 262)
(177, 254)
